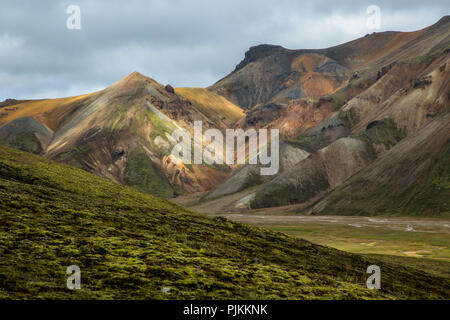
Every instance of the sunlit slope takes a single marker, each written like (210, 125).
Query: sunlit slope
(132, 245)
(211, 104)
(122, 133)
(50, 112)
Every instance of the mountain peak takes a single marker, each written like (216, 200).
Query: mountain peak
(442, 21)
(134, 75)
(257, 52)
(262, 48)
(134, 78)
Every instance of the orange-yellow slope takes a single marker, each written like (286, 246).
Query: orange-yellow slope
(211, 104)
(50, 112)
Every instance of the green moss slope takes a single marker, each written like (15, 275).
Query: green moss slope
(132, 245)
(141, 173)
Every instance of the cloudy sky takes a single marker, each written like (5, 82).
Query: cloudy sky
(181, 42)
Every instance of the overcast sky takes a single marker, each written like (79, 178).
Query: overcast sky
(181, 42)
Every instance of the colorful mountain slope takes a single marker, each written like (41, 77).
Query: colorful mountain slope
(411, 178)
(274, 75)
(123, 132)
(212, 105)
(51, 112)
(378, 106)
(338, 110)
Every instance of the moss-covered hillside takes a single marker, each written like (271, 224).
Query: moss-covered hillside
(132, 245)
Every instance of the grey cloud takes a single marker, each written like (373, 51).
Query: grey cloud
(182, 42)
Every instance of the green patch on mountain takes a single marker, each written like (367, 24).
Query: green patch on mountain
(429, 195)
(253, 179)
(427, 57)
(160, 126)
(338, 100)
(120, 114)
(76, 152)
(282, 194)
(385, 132)
(220, 167)
(27, 141)
(141, 173)
(349, 117)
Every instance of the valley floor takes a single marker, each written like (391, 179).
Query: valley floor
(425, 240)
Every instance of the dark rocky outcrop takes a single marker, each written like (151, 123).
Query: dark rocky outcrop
(169, 88)
(26, 134)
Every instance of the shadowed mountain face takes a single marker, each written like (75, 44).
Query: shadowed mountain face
(413, 177)
(340, 111)
(26, 134)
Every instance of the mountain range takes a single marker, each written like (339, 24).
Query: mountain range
(364, 128)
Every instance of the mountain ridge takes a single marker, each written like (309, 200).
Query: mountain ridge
(359, 55)
(365, 96)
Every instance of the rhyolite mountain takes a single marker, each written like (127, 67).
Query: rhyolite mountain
(364, 106)
(395, 86)
(123, 132)
(274, 77)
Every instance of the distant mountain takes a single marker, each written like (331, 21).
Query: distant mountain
(395, 84)
(122, 132)
(340, 111)
(274, 84)
(271, 74)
